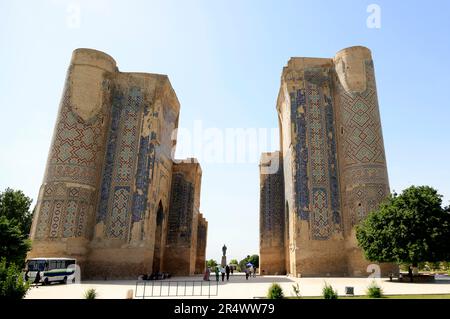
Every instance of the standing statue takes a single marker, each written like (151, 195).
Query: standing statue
(224, 250)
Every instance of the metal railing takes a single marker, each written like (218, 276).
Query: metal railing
(175, 288)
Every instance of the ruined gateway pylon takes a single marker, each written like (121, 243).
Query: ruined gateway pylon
(331, 170)
(112, 196)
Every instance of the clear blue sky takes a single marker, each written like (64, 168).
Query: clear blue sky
(224, 60)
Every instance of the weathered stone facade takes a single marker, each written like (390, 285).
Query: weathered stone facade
(181, 244)
(332, 167)
(106, 194)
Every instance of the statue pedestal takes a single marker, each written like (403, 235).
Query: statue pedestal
(223, 263)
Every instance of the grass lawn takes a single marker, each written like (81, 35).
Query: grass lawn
(437, 296)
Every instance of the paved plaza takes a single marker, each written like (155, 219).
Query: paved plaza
(236, 287)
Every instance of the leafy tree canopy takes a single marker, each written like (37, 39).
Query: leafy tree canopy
(15, 206)
(12, 284)
(211, 263)
(409, 228)
(13, 244)
(253, 259)
(234, 261)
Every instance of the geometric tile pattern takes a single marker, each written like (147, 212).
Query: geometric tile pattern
(361, 120)
(70, 219)
(63, 211)
(118, 223)
(126, 152)
(180, 211)
(75, 157)
(56, 218)
(44, 219)
(316, 168)
(298, 105)
(363, 161)
(124, 147)
(108, 167)
(144, 174)
(272, 208)
(320, 219)
(81, 220)
(77, 146)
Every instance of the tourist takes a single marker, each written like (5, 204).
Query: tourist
(254, 272)
(250, 270)
(222, 271)
(217, 273)
(37, 279)
(232, 269)
(207, 273)
(227, 270)
(247, 273)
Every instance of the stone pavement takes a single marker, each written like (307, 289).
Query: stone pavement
(239, 287)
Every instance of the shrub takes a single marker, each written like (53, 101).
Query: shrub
(374, 291)
(90, 294)
(328, 292)
(12, 284)
(275, 292)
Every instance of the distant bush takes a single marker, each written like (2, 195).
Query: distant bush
(275, 292)
(90, 294)
(328, 292)
(374, 291)
(12, 284)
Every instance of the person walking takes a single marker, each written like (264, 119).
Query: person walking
(227, 271)
(222, 271)
(247, 271)
(254, 272)
(37, 279)
(206, 276)
(217, 273)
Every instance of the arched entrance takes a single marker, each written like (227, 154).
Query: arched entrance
(158, 239)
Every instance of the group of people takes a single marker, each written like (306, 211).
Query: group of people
(219, 271)
(225, 272)
(249, 271)
(155, 276)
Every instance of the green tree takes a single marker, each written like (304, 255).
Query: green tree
(13, 244)
(15, 206)
(211, 263)
(253, 259)
(12, 284)
(234, 262)
(408, 228)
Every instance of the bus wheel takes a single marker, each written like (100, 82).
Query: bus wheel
(46, 282)
(64, 281)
